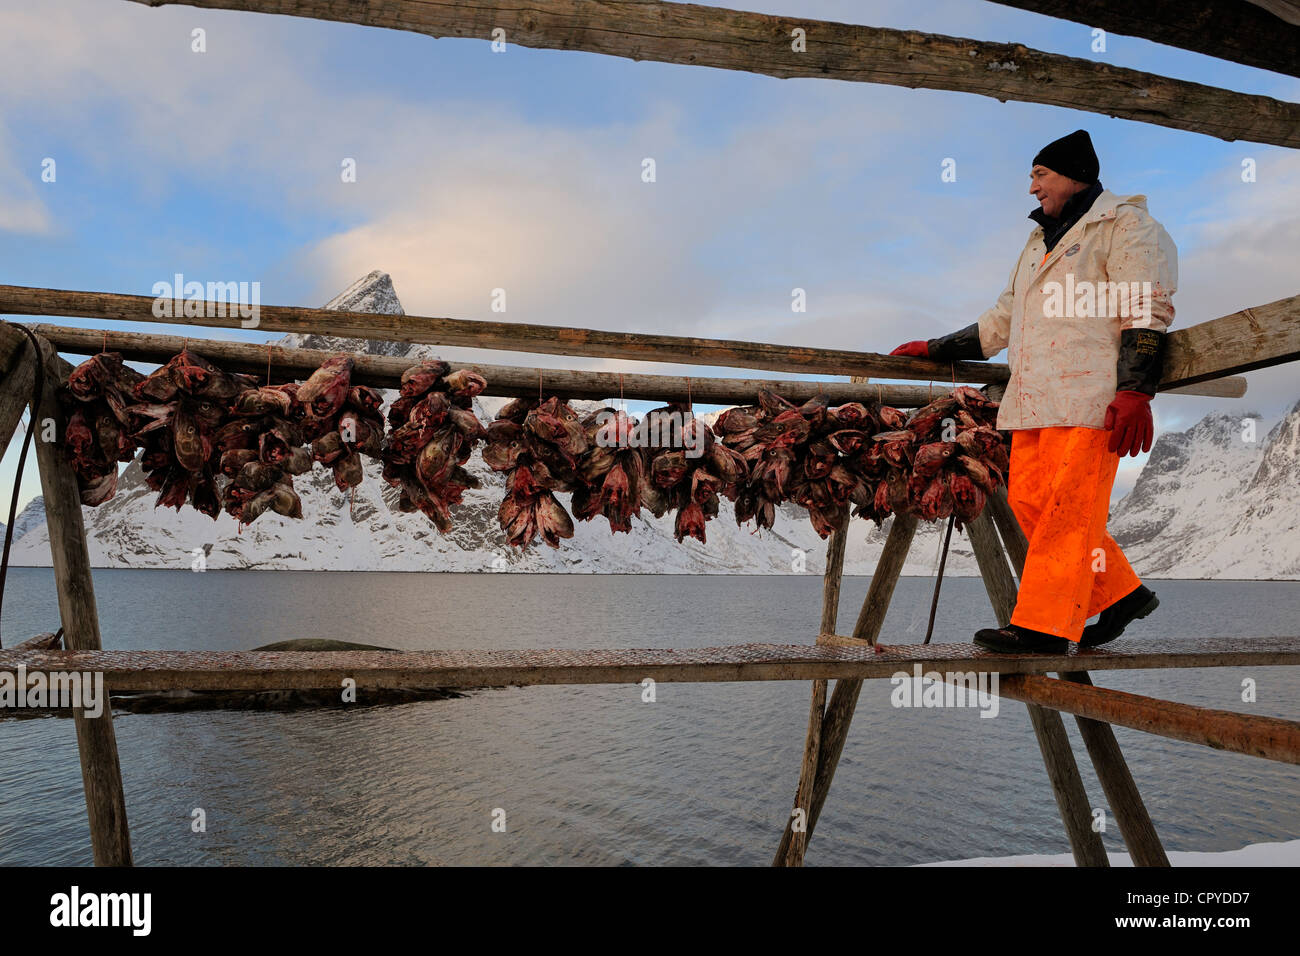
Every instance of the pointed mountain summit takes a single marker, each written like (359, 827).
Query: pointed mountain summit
(1277, 470)
(372, 293)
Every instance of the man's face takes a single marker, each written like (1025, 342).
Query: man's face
(1052, 189)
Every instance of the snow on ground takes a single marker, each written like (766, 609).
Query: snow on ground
(1257, 854)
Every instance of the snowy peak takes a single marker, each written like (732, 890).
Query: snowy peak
(1223, 430)
(1277, 468)
(1216, 501)
(372, 293)
(30, 516)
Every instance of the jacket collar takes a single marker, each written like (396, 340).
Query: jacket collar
(1102, 208)
(1075, 208)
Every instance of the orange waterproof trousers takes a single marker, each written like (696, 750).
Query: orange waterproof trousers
(1059, 488)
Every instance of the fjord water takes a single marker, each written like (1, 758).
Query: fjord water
(593, 775)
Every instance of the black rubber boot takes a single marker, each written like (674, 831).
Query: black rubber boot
(1138, 603)
(1014, 639)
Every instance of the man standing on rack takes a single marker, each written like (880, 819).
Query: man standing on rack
(1083, 319)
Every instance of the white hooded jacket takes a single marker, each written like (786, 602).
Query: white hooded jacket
(1060, 319)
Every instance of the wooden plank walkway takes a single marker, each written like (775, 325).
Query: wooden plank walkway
(321, 670)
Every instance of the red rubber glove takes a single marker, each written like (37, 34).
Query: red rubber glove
(918, 349)
(1128, 418)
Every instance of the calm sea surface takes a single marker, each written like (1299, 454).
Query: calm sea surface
(591, 775)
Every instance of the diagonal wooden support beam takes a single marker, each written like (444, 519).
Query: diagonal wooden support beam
(1062, 771)
(17, 377)
(1135, 824)
(101, 772)
(1013, 536)
(839, 713)
(760, 43)
(817, 707)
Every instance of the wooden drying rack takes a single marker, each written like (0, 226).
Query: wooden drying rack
(1199, 360)
(847, 659)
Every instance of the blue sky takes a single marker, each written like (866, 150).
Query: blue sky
(521, 170)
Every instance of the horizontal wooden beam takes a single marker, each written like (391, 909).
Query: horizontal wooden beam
(308, 670)
(1233, 386)
(1258, 736)
(1286, 10)
(382, 371)
(799, 360)
(509, 380)
(1258, 337)
(507, 336)
(1230, 31)
(761, 43)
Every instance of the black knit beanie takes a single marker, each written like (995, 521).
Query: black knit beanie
(1071, 156)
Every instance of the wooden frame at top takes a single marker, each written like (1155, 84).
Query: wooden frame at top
(790, 46)
(1243, 31)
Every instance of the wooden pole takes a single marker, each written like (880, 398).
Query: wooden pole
(101, 773)
(817, 707)
(510, 336)
(17, 376)
(1062, 771)
(760, 43)
(1135, 823)
(1272, 738)
(839, 713)
(1067, 787)
(1013, 536)
(1243, 32)
(799, 823)
(12, 344)
(834, 576)
(1253, 338)
(384, 371)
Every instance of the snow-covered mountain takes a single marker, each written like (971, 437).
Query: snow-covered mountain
(1207, 504)
(31, 516)
(1217, 501)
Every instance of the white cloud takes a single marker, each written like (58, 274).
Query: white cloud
(21, 209)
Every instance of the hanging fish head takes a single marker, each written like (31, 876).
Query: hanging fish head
(325, 391)
(465, 383)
